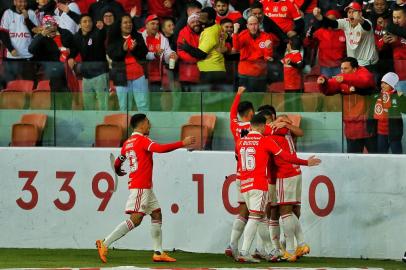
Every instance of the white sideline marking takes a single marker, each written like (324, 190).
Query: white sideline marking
(175, 268)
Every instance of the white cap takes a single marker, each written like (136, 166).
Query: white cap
(391, 78)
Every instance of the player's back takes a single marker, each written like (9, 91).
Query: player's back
(253, 161)
(136, 150)
(285, 169)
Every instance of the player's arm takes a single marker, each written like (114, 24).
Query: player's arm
(164, 148)
(118, 162)
(234, 109)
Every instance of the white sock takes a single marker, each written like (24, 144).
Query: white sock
(156, 233)
(237, 230)
(298, 232)
(265, 236)
(121, 230)
(249, 234)
(275, 233)
(289, 225)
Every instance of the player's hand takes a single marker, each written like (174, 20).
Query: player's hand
(236, 28)
(189, 140)
(321, 80)
(133, 11)
(392, 38)
(121, 172)
(24, 12)
(241, 90)
(71, 63)
(62, 7)
(339, 78)
(317, 14)
(313, 161)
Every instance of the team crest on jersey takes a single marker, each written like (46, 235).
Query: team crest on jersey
(90, 42)
(284, 8)
(341, 39)
(378, 109)
(262, 45)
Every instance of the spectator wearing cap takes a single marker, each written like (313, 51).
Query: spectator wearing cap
(397, 45)
(331, 46)
(359, 34)
(19, 22)
(67, 15)
(127, 49)
(255, 47)
(210, 51)
(388, 107)
(96, 9)
(89, 43)
(50, 48)
(161, 8)
(222, 11)
(159, 52)
(192, 7)
(188, 71)
(355, 83)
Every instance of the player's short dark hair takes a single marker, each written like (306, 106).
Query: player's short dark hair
(257, 4)
(136, 119)
(225, 20)
(194, 4)
(295, 42)
(257, 120)
(222, 1)
(244, 107)
(85, 15)
(267, 107)
(211, 13)
(353, 61)
(266, 113)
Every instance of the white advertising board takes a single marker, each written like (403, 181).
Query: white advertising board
(352, 205)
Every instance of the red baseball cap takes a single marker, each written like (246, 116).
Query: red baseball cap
(333, 12)
(151, 17)
(355, 6)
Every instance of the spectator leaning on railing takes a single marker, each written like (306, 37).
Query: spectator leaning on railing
(356, 83)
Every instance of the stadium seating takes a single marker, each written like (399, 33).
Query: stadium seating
(40, 100)
(28, 132)
(12, 99)
(121, 121)
(276, 87)
(20, 85)
(108, 135)
(43, 85)
(201, 133)
(201, 121)
(312, 98)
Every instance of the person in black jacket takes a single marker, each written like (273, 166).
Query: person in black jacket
(89, 42)
(50, 48)
(126, 47)
(96, 9)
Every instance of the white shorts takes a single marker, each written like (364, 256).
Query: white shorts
(240, 199)
(289, 190)
(272, 195)
(141, 201)
(256, 200)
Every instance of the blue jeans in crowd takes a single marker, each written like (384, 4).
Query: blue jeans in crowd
(330, 71)
(136, 90)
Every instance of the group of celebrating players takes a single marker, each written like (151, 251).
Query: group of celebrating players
(268, 182)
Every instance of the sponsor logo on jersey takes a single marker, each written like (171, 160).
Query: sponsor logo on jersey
(20, 35)
(262, 45)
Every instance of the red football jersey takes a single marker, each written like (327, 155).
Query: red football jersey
(284, 169)
(283, 13)
(253, 155)
(292, 76)
(138, 150)
(236, 125)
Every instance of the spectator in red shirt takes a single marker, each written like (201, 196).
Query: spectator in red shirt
(355, 83)
(255, 49)
(161, 8)
(331, 44)
(293, 76)
(188, 71)
(398, 46)
(223, 11)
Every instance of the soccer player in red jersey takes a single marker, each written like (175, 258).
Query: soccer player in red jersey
(138, 151)
(253, 156)
(245, 110)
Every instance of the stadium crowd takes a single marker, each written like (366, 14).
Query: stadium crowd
(189, 45)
